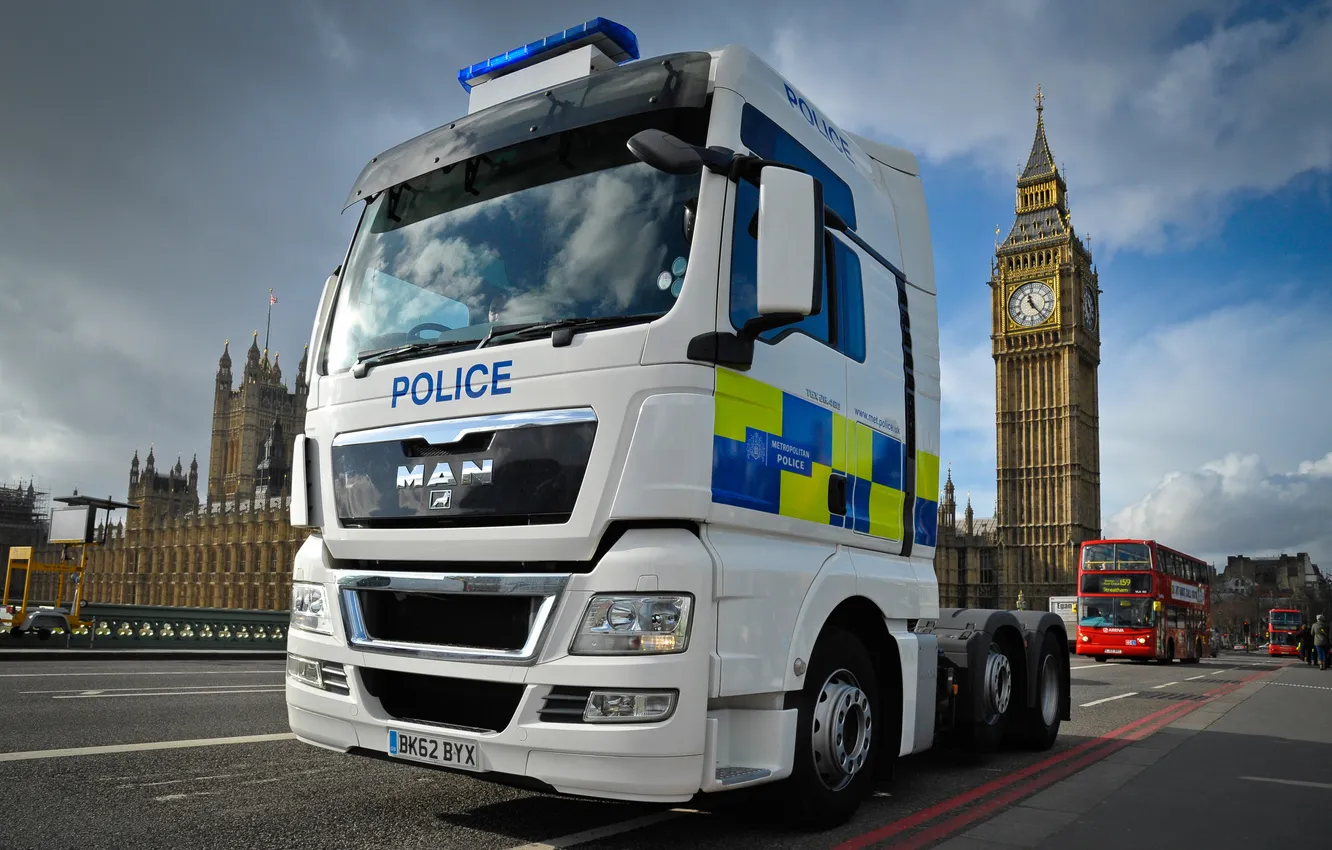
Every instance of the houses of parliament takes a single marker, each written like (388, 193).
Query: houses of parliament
(234, 548)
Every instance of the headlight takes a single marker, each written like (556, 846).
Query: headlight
(304, 670)
(309, 608)
(633, 625)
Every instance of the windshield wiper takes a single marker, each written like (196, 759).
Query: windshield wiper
(562, 331)
(404, 352)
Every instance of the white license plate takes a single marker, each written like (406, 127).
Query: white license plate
(464, 755)
(1114, 651)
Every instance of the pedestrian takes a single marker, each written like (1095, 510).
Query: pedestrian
(1304, 643)
(1320, 636)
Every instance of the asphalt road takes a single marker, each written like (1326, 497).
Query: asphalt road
(261, 789)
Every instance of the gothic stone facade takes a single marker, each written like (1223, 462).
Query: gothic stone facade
(235, 549)
(1045, 309)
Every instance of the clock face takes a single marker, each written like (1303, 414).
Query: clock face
(1031, 303)
(1089, 309)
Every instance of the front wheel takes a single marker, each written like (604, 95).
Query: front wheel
(838, 740)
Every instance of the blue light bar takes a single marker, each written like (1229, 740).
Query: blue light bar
(615, 40)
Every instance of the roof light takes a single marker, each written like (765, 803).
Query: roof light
(615, 40)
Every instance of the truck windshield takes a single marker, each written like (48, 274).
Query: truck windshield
(561, 227)
(1112, 611)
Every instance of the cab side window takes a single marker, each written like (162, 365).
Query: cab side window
(840, 320)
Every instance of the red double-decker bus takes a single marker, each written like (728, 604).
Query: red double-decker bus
(1138, 599)
(1282, 626)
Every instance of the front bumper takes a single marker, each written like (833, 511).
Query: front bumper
(651, 762)
(654, 761)
(1117, 647)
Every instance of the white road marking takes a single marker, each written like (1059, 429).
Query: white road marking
(178, 781)
(33, 755)
(1108, 699)
(1192, 678)
(147, 688)
(1085, 667)
(576, 838)
(150, 673)
(100, 695)
(1166, 685)
(1297, 685)
(166, 798)
(1288, 782)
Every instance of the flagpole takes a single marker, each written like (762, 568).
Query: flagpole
(268, 327)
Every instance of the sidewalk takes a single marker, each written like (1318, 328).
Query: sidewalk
(1251, 770)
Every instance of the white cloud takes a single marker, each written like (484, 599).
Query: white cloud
(1245, 381)
(1158, 136)
(1236, 505)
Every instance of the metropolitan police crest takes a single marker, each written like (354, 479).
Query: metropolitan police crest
(757, 446)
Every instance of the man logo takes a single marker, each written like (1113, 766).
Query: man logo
(441, 500)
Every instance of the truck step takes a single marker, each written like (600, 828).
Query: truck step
(737, 775)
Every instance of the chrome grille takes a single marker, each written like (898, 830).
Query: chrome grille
(375, 608)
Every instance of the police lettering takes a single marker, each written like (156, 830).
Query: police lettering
(438, 386)
(827, 130)
(794, 463)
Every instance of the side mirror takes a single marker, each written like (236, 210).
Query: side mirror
(790, 244)
(665, 152)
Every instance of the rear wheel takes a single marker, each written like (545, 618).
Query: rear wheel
(837, 736)
(995, 682)
(1170, 653)
(1040, 723)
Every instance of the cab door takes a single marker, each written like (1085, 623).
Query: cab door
(779, 478)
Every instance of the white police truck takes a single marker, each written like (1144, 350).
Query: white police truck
(622, 450)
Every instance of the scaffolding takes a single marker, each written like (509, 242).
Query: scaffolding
(23, 516)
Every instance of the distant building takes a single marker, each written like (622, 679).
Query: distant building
(966, 559)
(1045, 340)
(1282, 573)
(23, 522)
(235, 548)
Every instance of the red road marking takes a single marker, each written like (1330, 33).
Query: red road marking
(1109, 744)
(956, 824)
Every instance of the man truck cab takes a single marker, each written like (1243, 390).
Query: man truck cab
(622, 450)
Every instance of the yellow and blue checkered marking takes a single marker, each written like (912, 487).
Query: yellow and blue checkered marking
(774, 452)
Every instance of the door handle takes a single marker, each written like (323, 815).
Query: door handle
(837, 494)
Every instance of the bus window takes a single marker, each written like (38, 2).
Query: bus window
(1132, 556)
(1098, 556)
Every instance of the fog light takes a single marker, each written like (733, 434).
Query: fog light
(629, 707)
(1086, 639)
(304, 670)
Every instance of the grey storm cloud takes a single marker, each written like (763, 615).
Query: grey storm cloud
(167, 164)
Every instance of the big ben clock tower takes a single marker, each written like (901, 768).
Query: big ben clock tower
(1045, 307)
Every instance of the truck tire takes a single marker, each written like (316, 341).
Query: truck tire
(997, 680)
(1040, 723)
(837, 734)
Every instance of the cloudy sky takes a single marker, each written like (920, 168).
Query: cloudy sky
(168, 163)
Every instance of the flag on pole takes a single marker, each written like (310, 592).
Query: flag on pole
(272, 299)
